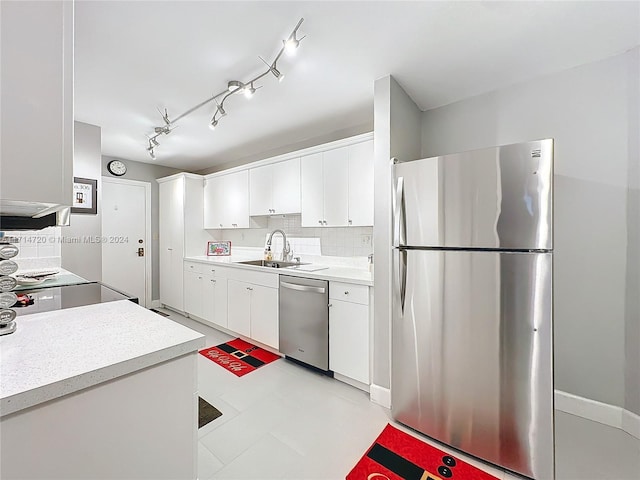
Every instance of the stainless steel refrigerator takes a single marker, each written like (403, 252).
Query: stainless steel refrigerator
(472, 330)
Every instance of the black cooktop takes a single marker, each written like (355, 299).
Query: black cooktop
(67, 296)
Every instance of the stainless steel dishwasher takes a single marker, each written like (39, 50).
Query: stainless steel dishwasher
(304, 320)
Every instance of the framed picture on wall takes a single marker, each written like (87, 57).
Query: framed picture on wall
(85, 196)
(215, 249)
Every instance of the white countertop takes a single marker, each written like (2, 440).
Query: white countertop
(52, 354)
(332, 272)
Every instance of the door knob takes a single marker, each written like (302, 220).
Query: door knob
(141, 252)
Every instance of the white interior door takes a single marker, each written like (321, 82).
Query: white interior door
(126, 232)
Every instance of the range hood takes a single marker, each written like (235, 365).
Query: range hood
(20, 215)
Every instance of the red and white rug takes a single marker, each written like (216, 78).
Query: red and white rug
(239, 357)
(396, 455)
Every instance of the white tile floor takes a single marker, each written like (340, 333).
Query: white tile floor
(283, 421)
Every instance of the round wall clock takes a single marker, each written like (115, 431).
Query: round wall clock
(117, 168)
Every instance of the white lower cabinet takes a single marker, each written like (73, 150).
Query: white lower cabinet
(349, 330)
(193, 293)
(264, 315)
(215, 299)
(253, 311)
(205, 292)
(239, 307)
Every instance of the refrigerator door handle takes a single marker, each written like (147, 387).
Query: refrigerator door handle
(399, 223)
(401, 276)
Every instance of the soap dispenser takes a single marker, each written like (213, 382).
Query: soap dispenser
(268, 256)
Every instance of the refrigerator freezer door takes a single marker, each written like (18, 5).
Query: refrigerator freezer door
(491, 198)
(472, 354)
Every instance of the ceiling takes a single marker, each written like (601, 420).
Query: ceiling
(133, 58)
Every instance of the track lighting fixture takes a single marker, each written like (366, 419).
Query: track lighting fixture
(289, 45)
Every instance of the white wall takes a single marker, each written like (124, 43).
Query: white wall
(397, 122)
(84, 258)
(632, 333)
(587, 111)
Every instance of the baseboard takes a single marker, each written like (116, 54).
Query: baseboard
(380, 395)
(600, 412)
(350, 381)
(631, 423)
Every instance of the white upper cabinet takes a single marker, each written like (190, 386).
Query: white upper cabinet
(226, 201)
(361, 184)
(335, 175)
(337, 187)
(36, 156)
(275, 188)
(261, 190)
(312, 190)
(286, 186)
(213, 202)
(237, 199)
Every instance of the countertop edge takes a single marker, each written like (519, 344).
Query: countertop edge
(30, 398)
(318, 274)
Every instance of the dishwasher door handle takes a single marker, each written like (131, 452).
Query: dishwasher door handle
(302, 288)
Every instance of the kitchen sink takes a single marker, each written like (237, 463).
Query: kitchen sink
(271, 263)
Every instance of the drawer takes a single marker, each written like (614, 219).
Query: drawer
(194, 267)
(214, 270)
(349, 292)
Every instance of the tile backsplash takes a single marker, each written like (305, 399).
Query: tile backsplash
(334, 241)
(38, 249)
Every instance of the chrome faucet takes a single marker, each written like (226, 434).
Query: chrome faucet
(286, 248)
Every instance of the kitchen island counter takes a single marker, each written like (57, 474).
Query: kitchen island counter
(56, 353)
(106, 390)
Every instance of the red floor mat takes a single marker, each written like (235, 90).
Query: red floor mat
(239, 357)
(396, 455)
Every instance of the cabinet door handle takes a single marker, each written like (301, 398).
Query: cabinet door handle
(330, 305)
(249, 288)
(199, 278)
(346, 292)
(170, 249)
(350, 222)
(320, 222)
(220, 225)
(213, 281)
(324, 221)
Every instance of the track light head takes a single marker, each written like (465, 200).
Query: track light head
(249, 90)
(154, 141)
(151, 153)
(291, 45)
(276, 73)
(213, 124)
(234, 85)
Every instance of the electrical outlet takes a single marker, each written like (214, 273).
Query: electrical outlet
(365, 240)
